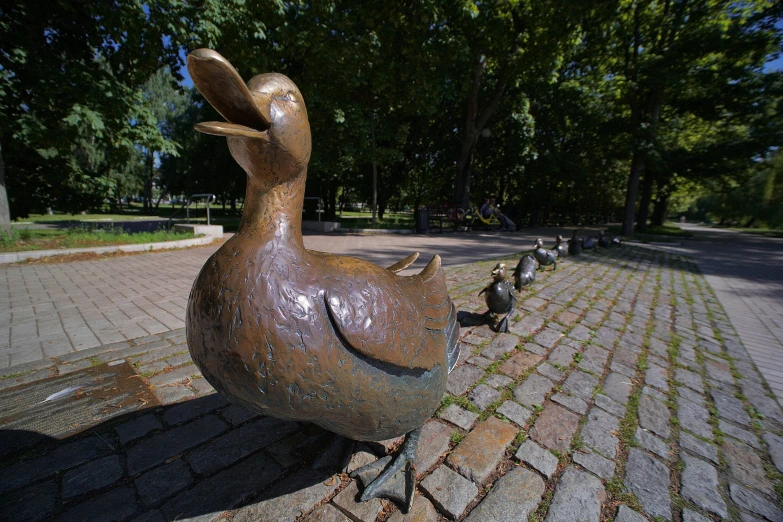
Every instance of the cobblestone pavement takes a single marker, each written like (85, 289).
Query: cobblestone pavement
(49, 310)
(746, 273)
(622, 392)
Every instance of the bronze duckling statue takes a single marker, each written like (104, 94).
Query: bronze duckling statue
(603, 241)
(304, 335)
(544, 256)
(560, 248)
(525, 272)
(575, 244)
(500, 296)
(590, 243)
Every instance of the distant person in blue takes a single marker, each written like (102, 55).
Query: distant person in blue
(489, 208)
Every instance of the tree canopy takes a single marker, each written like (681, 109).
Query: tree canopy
(567, 111)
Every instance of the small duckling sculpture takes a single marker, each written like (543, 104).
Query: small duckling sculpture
(560, 248)
(616, 241)
(303, 335)
(500, 297)
(603, 241)
(525, 272)
(590, 243)
(544, 256)
(575, 244)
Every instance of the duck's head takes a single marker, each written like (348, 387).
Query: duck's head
(539, 243)
(267, 128)
(600, 233)
(499, 272)
(559, 239)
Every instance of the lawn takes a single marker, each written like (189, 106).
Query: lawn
(26, 239)
(655, 232)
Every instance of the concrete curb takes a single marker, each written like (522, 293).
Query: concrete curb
(372, 231)
(13, 257)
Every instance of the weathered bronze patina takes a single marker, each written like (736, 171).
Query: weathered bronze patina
(305, 335)
(544, 256)
(525, 272)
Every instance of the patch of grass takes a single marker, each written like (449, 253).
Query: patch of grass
(460, 401)
(457, 437)
(94, 361)
(82, 237)
(14, 375)
(578, 357)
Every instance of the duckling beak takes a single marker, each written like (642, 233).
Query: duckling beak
(248, 114)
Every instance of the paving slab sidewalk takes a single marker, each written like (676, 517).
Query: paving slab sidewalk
(623, 391)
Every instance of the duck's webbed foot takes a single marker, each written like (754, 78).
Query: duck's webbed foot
(398, 480)
(503, 325)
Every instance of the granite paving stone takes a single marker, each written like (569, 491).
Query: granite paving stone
(595, 463)
(137, 428)
(498, 381)
(450, 492)
(155, 450)
(516, 365)
(91, 476)
(572, 403)
(115, 504)
(555, 428)
(688, 515)
(514, 412)
(163, 481)
(694, 418)
(460, 417)
(482, 396)
(755, 503)
(562, 355)
(285, 501)
(537, 457)
(237, 415)
(594, 359)
(657, 376)
(698, 447)
(654, 416)
(617, 387)
(547, 337)
(326, 513)
(735, 431)
(31, 503)
(462, 378)
(422, 511)
(599, 432)
(192, 409)
(502, 344)
(526, 326)
(609, 405)
(578, 496)
(626, 514)
(226, 449)
(775, 444)
(746, 466)
(533, 390)
(652, 443)
(479, 453)
(514, 497)
(433, 443)
(648, 479)
(729, 407)
(346, 501)
(580, 384)
(700, 485)
(549, 371)
(690, 379)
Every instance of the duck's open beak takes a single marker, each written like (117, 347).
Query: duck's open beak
(247, 113)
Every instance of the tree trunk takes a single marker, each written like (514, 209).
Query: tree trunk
(644, 204)
(637, 168)
(474, 123)
(5, 211)
(661, 210)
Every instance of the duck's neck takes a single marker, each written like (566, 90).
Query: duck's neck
(275, 215)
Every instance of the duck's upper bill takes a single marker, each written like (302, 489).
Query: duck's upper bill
(248, 114)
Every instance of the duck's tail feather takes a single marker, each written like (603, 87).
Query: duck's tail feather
(452, 339)
(402, 264)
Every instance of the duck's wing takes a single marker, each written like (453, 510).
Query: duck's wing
(401, 323)
(402, 264)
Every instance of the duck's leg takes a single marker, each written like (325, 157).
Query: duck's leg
(503, 325)
(398, 481)
(336, 455)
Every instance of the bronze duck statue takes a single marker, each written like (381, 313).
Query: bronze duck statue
(560, 247)
(590, 243)
(500, 296)
(575, 244)
(525, 272)
(305, 335)
(544, 256)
